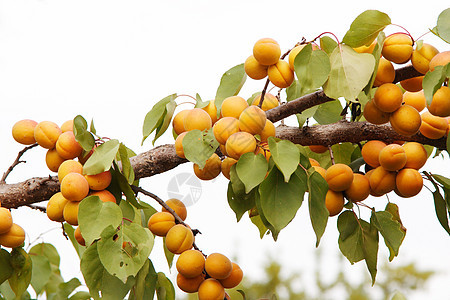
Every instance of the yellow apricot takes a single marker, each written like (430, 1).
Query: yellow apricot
(225, 127)
(13, 238)
(67, 146)
(334, 202)
(226, 166)
(385, 72)
(270, 101)
(440, 59)
(314, 162)
(371, 151)
(416, 155)
(179, 239)
(211, 289)
(433, 127)
(266, 51)
(211, 169)
(388, 97)
(179, 145)
(397, 48)
(239, 143)
(252, 120)
(178, 121)
(104, 195)
(53, 160)
(99, 181)
(189, 285)
(374, 115)
(381, 181)
(254, 69)
(412, 84)
(211, 109)
(197, 118)
(223, 149)
(406, 120)
(268, 131)
(78, 237)
(67, 126)
(234, 279)
(233, 106)
(409, 182)
(6, 220)
(69, 166)
(420, 59)
(74, 187)
(392, 157)
(218, 266)
(415, 99)
(280, 74)
(320, 170)
(366, 49)
(339, 177)
(318, 148)
(294, 52)
(23, 131)
(190, 263)
(359, 189)
(178, 206)
(160, 223)
(55, 207)
(46, 133)
(440, 104)
(70, 212)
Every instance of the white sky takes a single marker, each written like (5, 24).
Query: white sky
(112, 60)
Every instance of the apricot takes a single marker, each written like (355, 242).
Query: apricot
(371, 151)
(211, 289)
(420, 59)
(46, 133)
(99, 181)
(252, 120)
(233, 106)
(269, 102)
(381, 181)
(234, 279)
(339, 177)
(69, 166)
(406, 120)
(373, 115)
(320, 170)
(191, 263)
(78, 237)
(211, 109)
(392, 157)
(254, 69)
(397, 48)
(179, 145)
(433, 127)
(189, 285)
(226, 166)
(67, 146)
(385, 72)
(440, 59)
(13, 238)
(67, 126)
(314, 162)
(70, 212)
(23, 131)
(160, 223)
(280, 74)
(388, 97)
(318, 148)
(416, 155)
(179, 238)
(359, 189)
(440, 104)
(55, 207)
(53, 160)
(412, 84)
(211, 169)
(6, 220)
(268, 131)
(225, 127)
(197, 118)
(178, 121)
(409, 182)
(415, 99)
(178, 206)
(218, 266)
(365, 48)
(74, 187)
(239, 143)
(223, 149)
(267, 51)
(334, 202)
(104, 195)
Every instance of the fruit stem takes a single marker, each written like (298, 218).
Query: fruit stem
(326, 32)
(16, 162)
(263, 93)
(331, 154)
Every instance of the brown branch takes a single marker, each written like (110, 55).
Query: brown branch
(16, 162)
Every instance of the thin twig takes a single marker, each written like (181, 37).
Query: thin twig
(64, 231)
(263, 93)
(331, 154)
(37, 207)
(16, 162)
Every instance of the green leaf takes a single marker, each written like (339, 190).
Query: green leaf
(370, 247)
(443, 25)
(66, 288)
(293, 91)
(256, 220)
(47, 250)
(82, 135)
(164, 288)
(239, 202)
(306, 114)
(328, 112)
(94, 216)
(251, 170)
(433, 80)
(398, 296)
(286, 156)
(365, 28)
(102, 158)
(81, 295)
(198, 146)
(41, 272)
(350, 73)
(70, 233)
(167, 118)
(125, 187)
(442, 180)
(441, 210)
(390, 229)
(127, 169)
(21, 276)
(169, 255)
(155, 117)
(230, 85)
(350, 237)
(327, 44)
(199, 103)
(146, 280)
(318, 212)
(342, 153)
(377, 55)
(6, 269)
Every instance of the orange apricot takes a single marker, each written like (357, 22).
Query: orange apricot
(178, 121)
(67, 146)
(254, 69)
(78, 237)
(440, 104)
(189, 285)
(420, 58)
(233, 106)
(223, 149)
(385, 72)
(67, 126)
(179, 145)
(197, 118)
(359, 189)
(415, 99)
(13, 238)
(392, 157)
(234, 279)
(269, 102)
(339, 177)
(211, 289)
(397, 48)
(268, 131)
(334, 202)
(104, 195)
(74, 187)
(416, 155)
(381, 181)
(267, 51)
(318, 148)
(406, 120)
(178, 206)
(365, 48)
(218, 266)
(371, 151)
(226, 166)
(6, 220)
(388, 97)
(46, 133)
(23, 131)
(190, 263)
(211, 109)
(433, 127)
(412, 84)
(160, 223)
(69, 166)
(374, 115)
(314, 162)
(280, 74)
(53, 160)
(225, 127)
(440, 59)
(320, 170)
(99, 181)
(179, 238)
(252, 120)
(409, 182)
(70, 212)
(55, 207)
(239, 143)
(211, 169)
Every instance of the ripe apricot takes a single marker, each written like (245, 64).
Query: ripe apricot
(23, 131)
(211, 109)
(318, 148)
(433, 127)
(223, 149)
(269, 102)
(67, 126)
(225, 127)
(388, 97)
(359, 189)
(239, 143)
(339, 177)
(67, 146)
(392, 157)
(385, 72)
(409, 182)
(211, 169)
(320, 170)
(46, 133)
(254, 69)
(374, 115)
(416, 155)
(440, 104)
(280, 74)
(371, 151)
(406, 120)
(211, 289)
(178, 121)
(334, 202)
(6, 220)
(440, 59)
(69, 166)
(178, 206)
(314, 162)
(381, 181)
(74, 187)
(266, 51)
(226, 166)
(218, 266)
(190, 263)
(252, 120)
(412, 84)
(104, 195)
(415, 99)
(197, 118)
(234, 279)
(179, 145)
(55, 207)
(420, 59)
(365, 48)
(179, 238)
(99, 181)
(78, 237)
(13, 238)
(70, 212)
(160, 223)
(53, 160)
(233, 106)
(397, 48)
(268, 131)
(189, 285)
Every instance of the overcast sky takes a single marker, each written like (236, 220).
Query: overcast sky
(112, 60)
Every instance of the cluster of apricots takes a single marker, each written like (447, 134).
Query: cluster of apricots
(208, 276)
(241, 128)
(11, 234)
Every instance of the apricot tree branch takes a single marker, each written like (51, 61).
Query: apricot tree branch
(16, 162)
